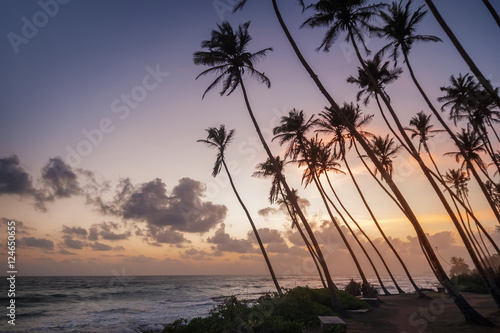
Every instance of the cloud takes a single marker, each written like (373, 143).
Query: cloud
(167, 215)
(168, 236)
(140, 259)
(21, 227)
(75, 231)
(65, 252)
(265, 212)
(100, 247)
(224, 242)
(108, 231)
(59, 179)
(73, 243)
(195, 254)
(42, 243)
(13, 178)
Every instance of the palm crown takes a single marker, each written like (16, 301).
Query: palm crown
(339, 16)
(229, 59)
(218, 138)
(400, 25)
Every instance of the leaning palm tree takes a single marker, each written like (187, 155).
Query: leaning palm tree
(472, 146)
(469, 313)
(266, 170)
(331, 124)
(219, 138)
(228, 57)
(325, 162)
(292, 131)
(467, 101)
(421, 127)
(472, 66)
(399, 27)
(385, 149)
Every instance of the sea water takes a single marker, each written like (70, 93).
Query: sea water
(123, 304)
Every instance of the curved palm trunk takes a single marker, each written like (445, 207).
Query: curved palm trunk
(374, 219)
(366, 286)
(471, 233)
(306, 241)
(493, 12)
(485, 83)
(469, 313)
(336, 305)
(386, 292)
(261, 245)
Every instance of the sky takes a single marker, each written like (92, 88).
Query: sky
(100, 116)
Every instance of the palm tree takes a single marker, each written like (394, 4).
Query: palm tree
(351, 21)
(385, 149)
(399, 26)
(469, 313)
(330, 123)
(292, 130)
(219, 138)
(458, 179)
(468, 101)
(266, 170)
(472, 66)
(472, 146)
(229, 58)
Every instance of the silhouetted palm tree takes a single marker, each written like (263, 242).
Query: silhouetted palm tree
(266, 170)
(292, 130)
(467, 101)
(219, 138)
(323, 162)
(229, 58)
(469, 313)
(472, 146)
(472, 66)
(331, 124)
(385, 149)
(399, 27)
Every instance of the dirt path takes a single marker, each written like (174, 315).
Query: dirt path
(409, 314)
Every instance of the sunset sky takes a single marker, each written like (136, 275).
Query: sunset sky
(104, 93)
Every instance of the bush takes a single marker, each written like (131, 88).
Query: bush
(353, 288)
(297, 309)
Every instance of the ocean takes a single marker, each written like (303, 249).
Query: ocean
(123, 304)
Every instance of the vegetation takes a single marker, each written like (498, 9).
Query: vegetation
(299, 308)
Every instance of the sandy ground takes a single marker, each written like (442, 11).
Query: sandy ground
(409, 314)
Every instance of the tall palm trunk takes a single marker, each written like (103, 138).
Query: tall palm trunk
(336, 305)
(384, 289)
(374, 219)
(484, 82)
(256, 233)
(490, 285)
(493, 12)
(314, 256)
(366, 286)
(469, 313)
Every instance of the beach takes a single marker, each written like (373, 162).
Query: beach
(408, 314)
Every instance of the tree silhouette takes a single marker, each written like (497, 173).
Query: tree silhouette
(219, 138)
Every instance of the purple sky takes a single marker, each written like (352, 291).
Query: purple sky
(109, 87)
